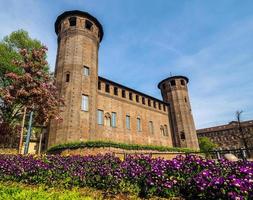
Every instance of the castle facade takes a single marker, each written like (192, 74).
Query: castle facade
(99, 109)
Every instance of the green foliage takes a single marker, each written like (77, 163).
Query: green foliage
(21, 192)
(101, 144)
(9, 51)
(205, 144)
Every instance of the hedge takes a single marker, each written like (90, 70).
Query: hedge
(101, 144)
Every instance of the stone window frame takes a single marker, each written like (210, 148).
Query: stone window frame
(67, 77)
(182, 136)
(173, 83)
(149, 102)
(166, 133)
(115, 90)
(151, 127)
(107, 87)
(139, 127)
(107, 119)
(114, 119)
(143, 100)
(182, 82)
(159, 106)
(100, 117)
(99, 85)
(123, 93)
(128, 122)
(137, 98)
(130, 95)
(164, 107)
(72, 21)
(162, 130)
(85, 103)
(88, 25)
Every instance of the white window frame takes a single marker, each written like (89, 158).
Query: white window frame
(114, 118)
(100, 117)
(85, 103)
(86, 71)
(128, 125)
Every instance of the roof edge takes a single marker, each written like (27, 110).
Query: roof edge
(80, 13)
(171, 78)
(133, 90)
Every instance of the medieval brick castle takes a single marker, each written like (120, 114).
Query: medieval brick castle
(100, 109)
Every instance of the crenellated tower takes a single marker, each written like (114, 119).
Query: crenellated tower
(76, 72)
(174, 92)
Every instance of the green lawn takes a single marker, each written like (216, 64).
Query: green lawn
(14, 191)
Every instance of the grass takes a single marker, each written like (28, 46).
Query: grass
(15, 191)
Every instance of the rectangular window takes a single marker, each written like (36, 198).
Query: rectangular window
(143, 100)
(138, 124)
(137, 98)
(116, 91)
(107, 87)
(151, 127)
(128, 122)
(113, 119)
(85, 102)
(123, 93)
(100, 117)
(149, 102)
(154, 104)
(130, 96)
(86, 71)
(99, 85)
(159, 105)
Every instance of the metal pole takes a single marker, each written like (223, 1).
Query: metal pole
(22, 133)
(244, 154)
(29, 132)
(41, 134)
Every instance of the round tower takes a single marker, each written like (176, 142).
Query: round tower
(175, 93)
(79, 35)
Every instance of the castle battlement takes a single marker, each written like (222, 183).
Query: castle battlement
(97, 108)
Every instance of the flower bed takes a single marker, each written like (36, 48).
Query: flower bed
(191, 177)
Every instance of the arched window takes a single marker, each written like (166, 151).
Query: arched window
(138, 124)
(72, 21)
(173, 83)
(182, 135)
(151, 127)
(88, 24)
(67, 77)
(107, 119)
(182, 82)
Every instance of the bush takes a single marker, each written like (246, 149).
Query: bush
(99, 144)
(206, 145)
(191, 177)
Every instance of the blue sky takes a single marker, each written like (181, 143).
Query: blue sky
(211, 42)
